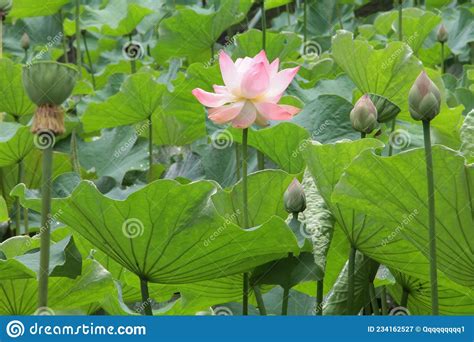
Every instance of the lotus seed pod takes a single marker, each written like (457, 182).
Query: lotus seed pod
(5, 7)
(364, 115)
(294, 198)
(442, 35)
(25, 41)
(424, 99)
(49, 83)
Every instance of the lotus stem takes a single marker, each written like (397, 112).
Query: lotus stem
(443, 66)
(260, 302)
(245, 295)
(45, 231)
(237, 161)
(1, 36)
(350, 282)
(286, 299)
(392, 129)
(89, 59)
(288, 12)
(404, 300)
(150, 149)
(338, 11)
(305, 23)
(264, 24)
(18, 205)
(373, 299)
(133, 64)
(76, 166)
(319, 297)
(431, 208)
(400, 20)
(363, 135)
(145, 297)
(26, 229)
(64, 40)
(383, 295)
(78, 37)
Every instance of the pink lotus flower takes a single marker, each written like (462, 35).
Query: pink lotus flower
(251, 92)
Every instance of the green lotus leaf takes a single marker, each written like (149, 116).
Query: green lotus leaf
(33, 8)
(386, 110)
(460, 26)
(467, 137)
(16, 141)
(3, 210)
(191, 33)
(169, 233)
(400, 184)
(14, 98)
(49, 82)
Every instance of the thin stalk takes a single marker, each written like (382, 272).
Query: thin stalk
(383, 295)
(305, 21)
(74, 154)
(260, 302)
(443, 66)
(18, 206)
(286, 299)
(363, 135)
(1, 37)
(260, 160)
(150, 149)
(64, 39)
(400, 20)
(89, 59)
(404, 300)
(390, 147)
(264, 25)
(319, 298)
(237, 161)
(45, 227)
(350, 282)
(288, 13)
(338, 11)
(25, 56)
(78, 37)
(431, 207)
(145, 297)
(26, 229)
(133, 64)
(373, 299)
(245, 295)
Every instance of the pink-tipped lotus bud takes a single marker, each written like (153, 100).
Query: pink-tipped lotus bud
(442, 35)
(294, 198)
(424, 99)
(25, 41)
(364, 115)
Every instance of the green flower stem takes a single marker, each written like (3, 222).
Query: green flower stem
(363, 135)
(392, 129)
(64, 40)
(76, 166)
(1, 38)
(404, 300)
(18, 205)
(133, 63)
(264, 24)
(286, 299)
(237, 161)
(373, 299)
(443, 66)
(288, 12)
(305, 23)
(26, 229)
(245, 295)
(78, 37)
(383, 295)
(145, 297)
(150, 149)
(350, 282)
(319, 298)
(431, 207)
(89, 59)
(338, 11)
(45, 227)
(400, 20)
(260, 302)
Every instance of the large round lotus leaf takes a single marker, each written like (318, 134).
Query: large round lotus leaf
(49, 82)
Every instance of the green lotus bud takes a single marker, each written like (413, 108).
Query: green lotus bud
(424, 99)
(442, 34)
(364, 115)
(48, 84)
(25, 41)
(5, 7)
(294, 198)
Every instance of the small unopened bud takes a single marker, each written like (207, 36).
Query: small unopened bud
(294, 198)
(364, 115)
(25, 41)
(442, 35)
(424, 99)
